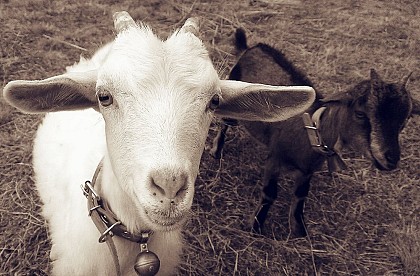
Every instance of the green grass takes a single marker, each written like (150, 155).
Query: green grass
(361, 221)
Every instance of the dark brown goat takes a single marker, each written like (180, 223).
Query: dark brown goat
(367, 118)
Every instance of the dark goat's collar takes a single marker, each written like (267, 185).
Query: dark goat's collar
(313, 125)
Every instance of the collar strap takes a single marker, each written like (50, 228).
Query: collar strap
(106, 221)
(312, 125)
(107, 217)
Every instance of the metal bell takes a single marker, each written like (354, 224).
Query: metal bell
(147, 263)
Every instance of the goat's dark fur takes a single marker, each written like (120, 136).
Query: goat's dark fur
(367, 118)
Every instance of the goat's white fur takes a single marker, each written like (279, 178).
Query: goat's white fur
(155, 128)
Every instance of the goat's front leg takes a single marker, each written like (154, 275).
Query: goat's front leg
(268, 194)
(219, 140)
(296, 218)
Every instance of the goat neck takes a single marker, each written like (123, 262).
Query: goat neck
(332, 124)
(117, 200)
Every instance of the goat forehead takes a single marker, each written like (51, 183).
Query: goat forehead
(391, 106)
(141, 61)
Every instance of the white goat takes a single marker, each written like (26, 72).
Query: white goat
(148, 121)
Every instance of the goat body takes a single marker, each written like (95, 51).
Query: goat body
(144, 107)
(367, 118)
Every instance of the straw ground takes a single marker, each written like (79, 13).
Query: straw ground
(360, 222)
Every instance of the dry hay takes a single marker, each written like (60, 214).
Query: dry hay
(361, 221)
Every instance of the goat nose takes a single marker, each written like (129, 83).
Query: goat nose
(168, 183)
(392, 158)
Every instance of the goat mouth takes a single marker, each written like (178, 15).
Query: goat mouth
(380, 166)
(383, 166)
(166, 223)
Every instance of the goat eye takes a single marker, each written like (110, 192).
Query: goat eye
(360, 115)
(105, 98)
(214, 102)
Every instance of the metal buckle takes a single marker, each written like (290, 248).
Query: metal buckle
(93, 209)
(315, 136)
(102, 238)
(87, 187)
(311, 127)
(326, 150)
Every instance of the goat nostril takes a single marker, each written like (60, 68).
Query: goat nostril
(167, 185)
(182, 190)
(392, 158)
(158, 188)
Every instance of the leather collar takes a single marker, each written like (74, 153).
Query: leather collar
(312, 125)
(107, 222)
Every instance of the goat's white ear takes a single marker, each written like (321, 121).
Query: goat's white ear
(259, 102)
(64, 92)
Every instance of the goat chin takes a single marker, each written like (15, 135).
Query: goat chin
(383, 165)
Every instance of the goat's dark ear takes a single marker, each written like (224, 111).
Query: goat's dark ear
(375, 80)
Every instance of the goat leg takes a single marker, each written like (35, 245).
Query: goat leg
(268, 194)
(219, 140)
(296, 217)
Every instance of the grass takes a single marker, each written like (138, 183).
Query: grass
(361, 221)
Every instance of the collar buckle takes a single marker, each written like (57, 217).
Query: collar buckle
(108, 231)
(88, 189)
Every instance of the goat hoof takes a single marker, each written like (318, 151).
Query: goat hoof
(257, 229)
(294, 235)
(216, 154)
(298, 231)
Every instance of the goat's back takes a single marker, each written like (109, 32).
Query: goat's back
(264, 64)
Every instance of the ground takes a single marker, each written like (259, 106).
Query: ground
(360, 222)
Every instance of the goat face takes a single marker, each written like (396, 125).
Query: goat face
(379, 114)
(157, 109)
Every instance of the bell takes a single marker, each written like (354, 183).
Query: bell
(147, 263)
